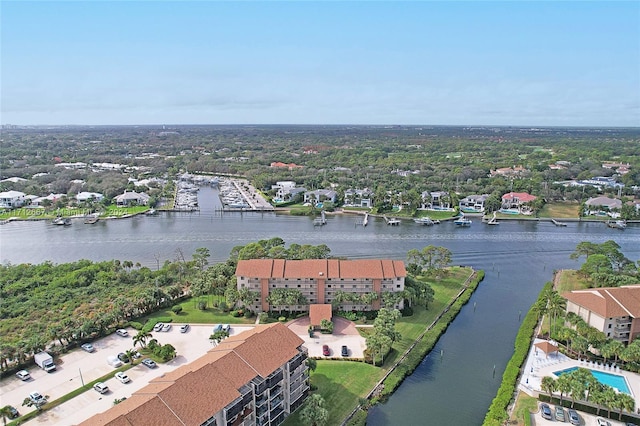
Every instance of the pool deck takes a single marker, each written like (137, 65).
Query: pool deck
(539, 364)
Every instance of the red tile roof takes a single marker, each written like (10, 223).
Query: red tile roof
(522, 196)
(608, 302)
(318, 312)
(193, 393)
(327, 268)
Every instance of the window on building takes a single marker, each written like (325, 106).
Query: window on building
(398, 286)
(298, 285)
(341, 286)
(286, 286)
(329, 285)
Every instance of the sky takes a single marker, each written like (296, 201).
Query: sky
(519, 63)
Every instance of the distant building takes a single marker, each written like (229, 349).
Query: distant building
(14, 179)
(515, 171)
(613, 310)
(436, 200)
(50, 199)
(258, 377)
(320, 280)
(286, 190)
(290, 166)
(358, 197)
(12, 199)
(603, 205)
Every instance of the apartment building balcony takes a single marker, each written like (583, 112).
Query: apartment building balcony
(623, 322)
(621, 333)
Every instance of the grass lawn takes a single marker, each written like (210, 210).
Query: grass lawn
(192, 315)
(568, 280)
(124, 211)
(341, 384)
(525, 405)
(560, 210)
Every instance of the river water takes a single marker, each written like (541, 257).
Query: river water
(453, 386)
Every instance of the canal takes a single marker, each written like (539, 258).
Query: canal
(456, 388)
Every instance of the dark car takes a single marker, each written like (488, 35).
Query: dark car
(344, 351)
(545, 411)
(123, 357)
(149, 363)
(325, 350)
(13, 413)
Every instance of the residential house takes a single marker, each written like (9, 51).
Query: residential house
(320, 195)
(258, 377)
(473, 203)
(603, 206)
(358, 197)
(517, 202)
(130, 198)
(86, 196)
(320, 280)
(12, 199)
(49, 199)
(436, 200)
(290, 166)
(515, 171)
(613, 310)
(600, 183)
(286, 190)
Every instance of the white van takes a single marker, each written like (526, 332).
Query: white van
(113, 361)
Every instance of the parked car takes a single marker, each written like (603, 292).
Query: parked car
(122, 377)
(87, 347)
(226, 328)
(136, 355)
(122, 332)
(13, 413)
(602, 422)
(123, 357)
(344, 351)
(113, 361)
(325, 350)
(158, 326)
(184, 328)
(574, 418)
(217, 328)
(23, 375)
(149, 363)
(560, 414)
(545, 411)
(37, 399)
(101, 387)
(166, 327)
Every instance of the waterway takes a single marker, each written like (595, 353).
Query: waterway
(454, 385)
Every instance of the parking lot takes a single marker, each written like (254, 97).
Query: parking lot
(585, 419)
(78, 366)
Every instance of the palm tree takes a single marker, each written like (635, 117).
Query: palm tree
(548, 384)
(130, 354)
(625, 402)
(563, 385)
(141, 338)
(5, 412)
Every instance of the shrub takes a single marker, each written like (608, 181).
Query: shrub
(407, 311)
(136, 325)
(248, 313)
(202, 305)
(282, 319)
(263, 317)
(223, 307)
(176, 309)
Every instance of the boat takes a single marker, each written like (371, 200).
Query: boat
(90, 219)
(618, 224)
(424, 221)
(392, 221)
(61, 221)
(462, 221)
(151, 212)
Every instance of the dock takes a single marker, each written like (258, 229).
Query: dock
(493, 220)
(319, 221)
(392, 221)
(557, 223)
(365, 221)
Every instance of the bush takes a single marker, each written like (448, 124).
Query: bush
(176, 309)
(223, 307)
(407, 311)
(282, 319)
(263, 317)
(248, 313)
(237, 313)
(136, 325)
(202, 305)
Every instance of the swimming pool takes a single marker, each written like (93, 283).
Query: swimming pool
(616, 381)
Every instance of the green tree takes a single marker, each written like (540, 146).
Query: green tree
(548, 384)
(141, 338)
(314, 413)
(5, 412)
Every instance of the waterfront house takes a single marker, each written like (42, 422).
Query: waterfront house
(517, 202)
(131, 198)
(258, 377)
(321, 280)
(12, 199)
(436, 200)
(49, 199)
(603, 206)
(86, 196)
(358, 197)
(473, 203)
(286, 190)
(613, 310)
(319, 195)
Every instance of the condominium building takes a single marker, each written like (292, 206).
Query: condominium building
(613, 310)
(257, 377)
(322, 281)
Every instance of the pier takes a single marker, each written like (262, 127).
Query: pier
(556, 223)
(392, 221)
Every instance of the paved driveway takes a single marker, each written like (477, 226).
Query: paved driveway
(344, 333)
(78, 365)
